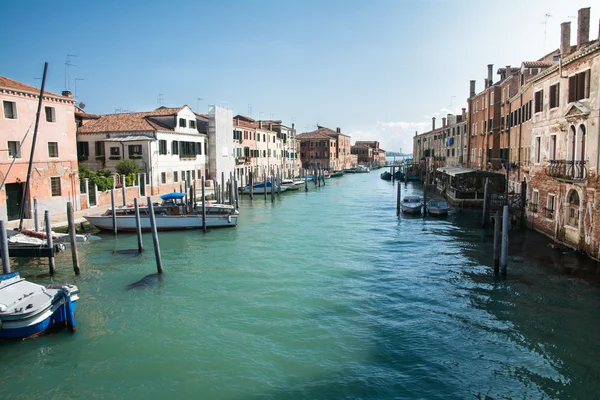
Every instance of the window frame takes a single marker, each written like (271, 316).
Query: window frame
(52, 188)
(17, 146)
(52, 115)
(14, 110)
(50, 153)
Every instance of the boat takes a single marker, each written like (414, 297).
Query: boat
(28, 309)
(169, 216)
(259, 188)
(337, 174)
(361, 169)
(386, 176)
(290, 184)
(349, 170)
(411, 205)
(437, 208)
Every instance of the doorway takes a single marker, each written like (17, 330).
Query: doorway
(14, 196)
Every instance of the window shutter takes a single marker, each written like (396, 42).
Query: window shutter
(587, 84)
(572, 88)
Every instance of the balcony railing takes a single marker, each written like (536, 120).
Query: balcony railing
(548, 213)
(532, 207)
(565, 170)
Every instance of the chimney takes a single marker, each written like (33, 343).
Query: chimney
(433, 124)
(292, 125)
(487, 82)
(67, 93)
(565, 38)
(490, 68)
(259, 124)
(416, 133)
(471, 89)
(444, 122)
(508, 71)
(338, 130)
(464, 114)
(583, 26)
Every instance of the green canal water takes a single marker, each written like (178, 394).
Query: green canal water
(320, 295)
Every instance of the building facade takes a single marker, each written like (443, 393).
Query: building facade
(54, 179)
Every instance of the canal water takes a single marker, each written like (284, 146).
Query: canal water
(320, 295)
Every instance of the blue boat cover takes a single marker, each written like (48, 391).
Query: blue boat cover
(172, 196)
(4, 277)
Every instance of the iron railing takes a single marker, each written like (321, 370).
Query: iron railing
(567, 170)
(548, 213)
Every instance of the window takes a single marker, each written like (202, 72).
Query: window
(135, 150)
(14, 149)
(538, 141)
(163, 177)
(50, 114)
(539, 98)
(10, 109)
(552, 147)
(115, 151)
(535, 198)
(175, 176)
(182, 122)
(174, 147)
(549, 211)
(554, 95)
(192, 124)
(579, 86)
(162, 147)
(55, 185)
(83, 149)
(99, 147)
(53, 149)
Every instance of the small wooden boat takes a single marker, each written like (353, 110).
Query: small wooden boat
(437, 208)
(386, 176)
(28, 309)
(337, 174)
(411, 205)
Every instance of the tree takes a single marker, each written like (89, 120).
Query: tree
(127, 167)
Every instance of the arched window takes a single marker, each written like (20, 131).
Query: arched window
(571, 143)
(573, 209)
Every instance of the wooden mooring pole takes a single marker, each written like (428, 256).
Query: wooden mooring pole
(114, 214)
(4, 248)
(504, 253)
(36, 223)
(49, 242)
(203, 206)
(497, 242)
(485, 204)
(138, 225)
(73, 237)
(155, 236)
(398, 199)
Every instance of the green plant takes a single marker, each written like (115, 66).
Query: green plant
(127, 167)
(102, 179)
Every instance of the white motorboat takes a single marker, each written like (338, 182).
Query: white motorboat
(169, 216)
(28, 309)
(437, 208)
(411, 204)
(290, 184)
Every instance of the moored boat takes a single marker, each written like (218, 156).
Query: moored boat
(437, 208)
(386, 176)
(259, 188)
(361, 169)
(411, 205)
(337, 174)
(290, 184)
(28, 309)
(169, 216)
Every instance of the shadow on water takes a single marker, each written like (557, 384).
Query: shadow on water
(147, 281)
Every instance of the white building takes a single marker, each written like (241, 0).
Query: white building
(220, 142)
(169, 144)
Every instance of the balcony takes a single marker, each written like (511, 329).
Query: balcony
(533, 207)
(568, 171)
(548, 213)
(242, 160)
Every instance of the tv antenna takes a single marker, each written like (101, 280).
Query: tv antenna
(249, 110)
(68, 65)
(160, 100)
(545, 23)
(450, 106)
(198, 100)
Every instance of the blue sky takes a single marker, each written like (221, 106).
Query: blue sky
(377, 69)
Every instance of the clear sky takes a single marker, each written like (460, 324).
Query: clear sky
(379, 70)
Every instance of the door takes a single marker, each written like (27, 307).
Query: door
(91, 193)
(14, 196)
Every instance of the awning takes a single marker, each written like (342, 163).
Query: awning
(131, 138)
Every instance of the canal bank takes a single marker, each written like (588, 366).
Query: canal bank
(324, 294)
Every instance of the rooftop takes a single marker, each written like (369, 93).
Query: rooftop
(7, 83)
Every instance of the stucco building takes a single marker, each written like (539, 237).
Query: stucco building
(54, 179)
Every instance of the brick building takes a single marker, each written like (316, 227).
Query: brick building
(318, 149)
